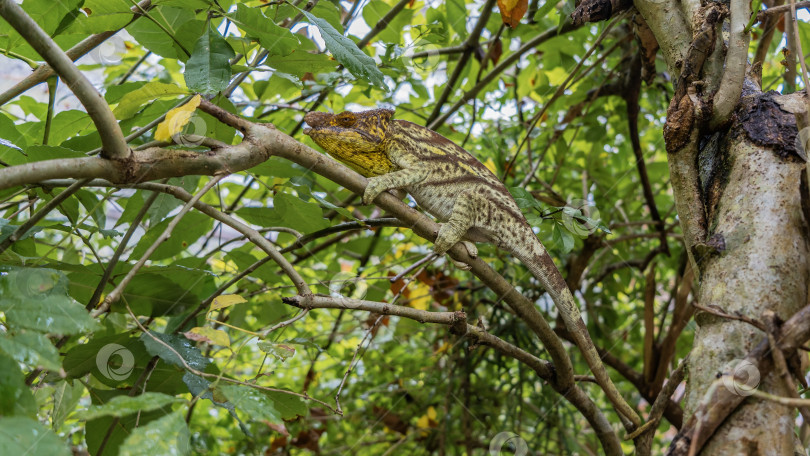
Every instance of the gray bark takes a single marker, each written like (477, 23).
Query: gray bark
(753, 198)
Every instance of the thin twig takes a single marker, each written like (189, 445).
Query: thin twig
(40, 214)
(136, 222)
(43, 72)
(114, 295)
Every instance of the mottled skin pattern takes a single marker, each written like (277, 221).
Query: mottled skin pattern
(449, 183)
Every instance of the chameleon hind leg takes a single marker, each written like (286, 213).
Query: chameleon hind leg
(461, 220)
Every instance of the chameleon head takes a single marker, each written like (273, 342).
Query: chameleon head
(354, 138)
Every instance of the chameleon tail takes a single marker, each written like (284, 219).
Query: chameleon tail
(542, 267)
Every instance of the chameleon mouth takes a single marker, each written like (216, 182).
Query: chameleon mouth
(307, 131)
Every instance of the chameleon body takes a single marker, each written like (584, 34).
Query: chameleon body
(452, 185)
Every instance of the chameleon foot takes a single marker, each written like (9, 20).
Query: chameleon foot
(472, 250)
(373, 189)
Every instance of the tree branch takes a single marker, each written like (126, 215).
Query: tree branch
(111, 137)
(178, 192)
(728, 94)
(276, 143)
(498, 69)
(469, 46)
(43, 72)
(114, 295)
(721, 401)
(40, 214)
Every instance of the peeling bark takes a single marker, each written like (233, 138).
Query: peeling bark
(757, 260)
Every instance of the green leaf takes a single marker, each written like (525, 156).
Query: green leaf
(541, 13)
(53, 17)
(159, 294)
(175, 349)
(115, 93)
(252, 402)
(7, 229)
(524, 198)
(116, 361)
(94, 206)
(289, 211)
(277, 167)
(180, 24)
(208, 70)
(340, 210)
(188, 230)
(37, 298)
(457, 16)
(125, 405)
(65, 399)
(24, 436)
(67, 124)
(347, 53)
(165, 436)
(260, 405)
(103, 15)
(563, 239)
(289, 405)
(279, 351)
(300, 63)
(31, 348)
(373, 12)
(132, 102)
(166, 203)
(15, 397)
(37, 153)
(97, 430)
(274, 39)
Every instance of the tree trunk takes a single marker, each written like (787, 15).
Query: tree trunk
(742, 200)
(754, 260)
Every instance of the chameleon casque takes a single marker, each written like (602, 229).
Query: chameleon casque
(449, 183)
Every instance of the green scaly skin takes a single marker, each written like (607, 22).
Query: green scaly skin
(449, 183)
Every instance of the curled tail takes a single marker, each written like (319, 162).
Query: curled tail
(535, 257)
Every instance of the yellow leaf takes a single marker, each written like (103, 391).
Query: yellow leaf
(223, 266)
(176, 119)
(402, 248)
(212, 335)
(223, 301)
(421, 297)
(428, 420)
(490, 166)
(423, 422)
(431, 413)
(445, 346)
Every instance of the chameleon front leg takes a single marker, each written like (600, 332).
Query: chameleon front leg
(461, 220)
(396, 180)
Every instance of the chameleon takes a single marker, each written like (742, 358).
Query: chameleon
(452, 185)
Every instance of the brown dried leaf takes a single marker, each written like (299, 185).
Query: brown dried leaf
(512, 11)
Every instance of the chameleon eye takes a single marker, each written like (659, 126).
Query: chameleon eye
(346, 119)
